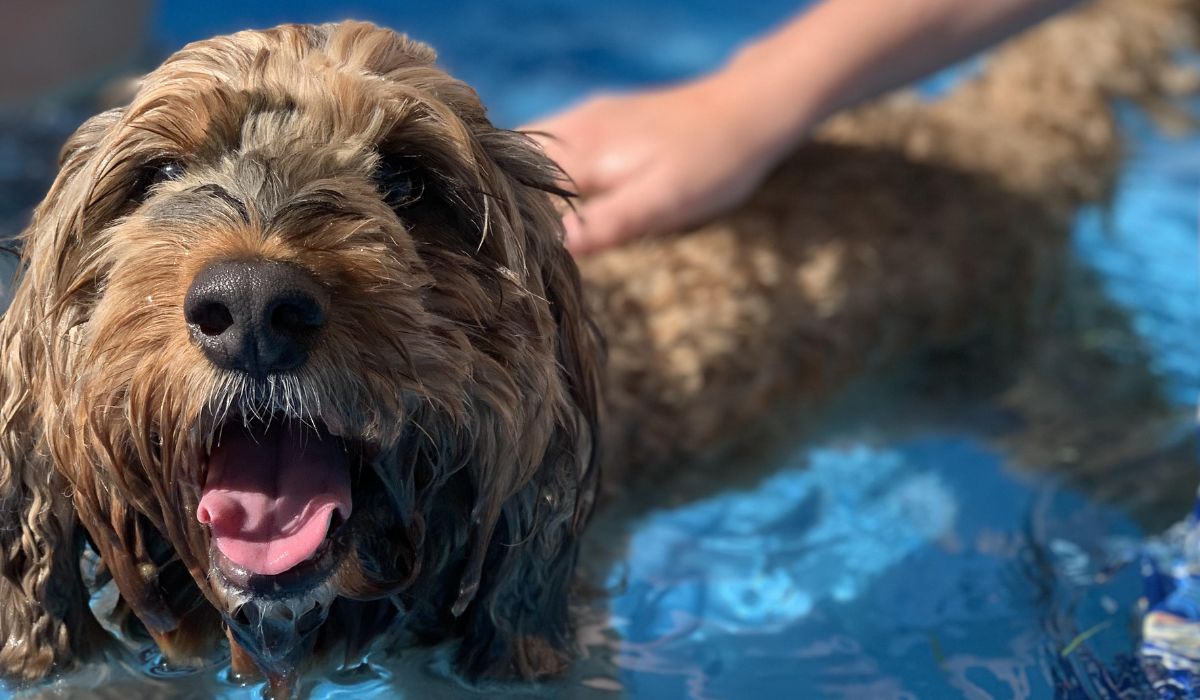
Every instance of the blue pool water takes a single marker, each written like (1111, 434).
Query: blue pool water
(895, 571)
(925, 561)
(525, 58)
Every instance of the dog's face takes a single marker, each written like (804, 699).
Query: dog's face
(298, 323)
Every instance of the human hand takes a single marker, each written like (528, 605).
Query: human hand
(656, 161)
(663, 160)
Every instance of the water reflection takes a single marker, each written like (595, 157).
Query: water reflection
(857, 571)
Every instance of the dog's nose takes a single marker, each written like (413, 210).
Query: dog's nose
(257, 316)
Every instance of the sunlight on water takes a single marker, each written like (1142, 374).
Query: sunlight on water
(823, 530)
(857, 572)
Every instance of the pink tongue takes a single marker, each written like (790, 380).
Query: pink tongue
(270, 494)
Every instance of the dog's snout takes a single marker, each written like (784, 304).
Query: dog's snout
(257, 316)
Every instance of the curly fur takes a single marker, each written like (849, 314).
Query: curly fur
(907, 226)
(460, 358)
(476, 392)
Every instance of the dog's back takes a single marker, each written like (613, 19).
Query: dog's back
(907, 226)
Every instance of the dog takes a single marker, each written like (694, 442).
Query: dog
(298, 357)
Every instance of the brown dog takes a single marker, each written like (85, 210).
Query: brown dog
(297, 334)
(297, 351)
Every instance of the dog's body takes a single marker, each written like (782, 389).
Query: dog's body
(310, 241)
(909, 225)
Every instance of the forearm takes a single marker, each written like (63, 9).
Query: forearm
(844, 51)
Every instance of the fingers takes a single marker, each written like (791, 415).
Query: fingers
(559, 144)
(610, 219)
(608, 216)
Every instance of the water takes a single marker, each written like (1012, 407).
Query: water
(892, 571)
(526, 57)
(959, 554)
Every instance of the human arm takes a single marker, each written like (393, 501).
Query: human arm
(666, 159)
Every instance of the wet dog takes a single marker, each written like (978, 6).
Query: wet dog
(298, 358)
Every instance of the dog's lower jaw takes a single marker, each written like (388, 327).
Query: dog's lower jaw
(272, 622)
(276, 647)
(266, 638)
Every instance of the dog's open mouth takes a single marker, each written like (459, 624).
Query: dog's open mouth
(273, 493)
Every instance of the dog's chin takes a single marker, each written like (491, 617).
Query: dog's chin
(276, 500)
(275, 618)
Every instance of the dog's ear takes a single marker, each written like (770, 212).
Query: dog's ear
(518, 624)
(44, 613)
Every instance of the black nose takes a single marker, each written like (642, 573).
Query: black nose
(257, 316)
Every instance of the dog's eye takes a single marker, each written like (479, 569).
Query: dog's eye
(154, 174)
(401, 182)
(163, 172)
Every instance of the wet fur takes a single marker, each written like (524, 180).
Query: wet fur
(476, 390)
(460, 349)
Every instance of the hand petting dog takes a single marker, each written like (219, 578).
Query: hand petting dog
(664, 160)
